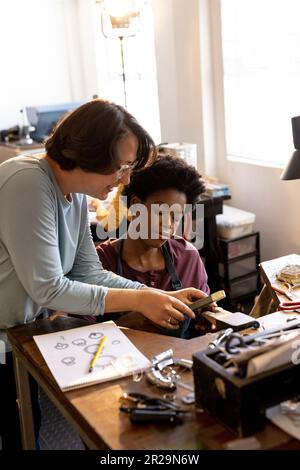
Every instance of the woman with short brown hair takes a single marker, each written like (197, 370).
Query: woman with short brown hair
(47, 255)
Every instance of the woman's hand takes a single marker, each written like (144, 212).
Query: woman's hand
(164, 309)
(189, 295)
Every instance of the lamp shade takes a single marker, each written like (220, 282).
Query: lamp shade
(292, 171)
(120, 18)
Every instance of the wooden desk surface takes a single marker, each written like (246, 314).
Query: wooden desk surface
(94, 411)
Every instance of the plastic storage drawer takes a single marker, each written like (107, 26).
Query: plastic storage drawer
(240, 247)
(244, 286)
(233, 222)
(238, 268)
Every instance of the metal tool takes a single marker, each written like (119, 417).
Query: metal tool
(186, 386)
(145, 409)
(155, 375)
(157, 378)
(138, 416)
(220, 338)
(165, 359)
(290, 325)
(162, 356)
(189, 398)
(238, 349)
(291, 295)
(291, 408)
(201, 303)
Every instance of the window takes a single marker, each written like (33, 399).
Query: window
(140, 72)
(261, 59)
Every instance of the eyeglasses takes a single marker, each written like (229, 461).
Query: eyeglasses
(122, 170)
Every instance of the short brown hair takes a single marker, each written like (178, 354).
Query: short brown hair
(88, 136)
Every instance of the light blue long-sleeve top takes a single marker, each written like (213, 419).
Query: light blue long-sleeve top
(47, 255)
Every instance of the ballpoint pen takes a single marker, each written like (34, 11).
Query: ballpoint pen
(97, 353)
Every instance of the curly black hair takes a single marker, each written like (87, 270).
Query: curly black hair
(165, 173)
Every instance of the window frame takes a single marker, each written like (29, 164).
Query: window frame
(219, 102)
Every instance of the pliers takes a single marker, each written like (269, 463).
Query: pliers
(290, 306)
(294, 304)
(144, 409)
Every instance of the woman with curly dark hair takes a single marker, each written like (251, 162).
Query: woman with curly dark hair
(156, 257)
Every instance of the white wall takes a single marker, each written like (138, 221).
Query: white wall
(255, 188)
(194, 92)
(178, 72)
(166, 69)
(40, 56)
(275, 203)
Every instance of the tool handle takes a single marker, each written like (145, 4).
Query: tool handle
(149, 416)
(201, 303)
(289, 306)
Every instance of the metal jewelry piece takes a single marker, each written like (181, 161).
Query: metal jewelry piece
(291, 408)
(160, 362)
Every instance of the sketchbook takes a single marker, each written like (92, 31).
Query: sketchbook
(68, 355)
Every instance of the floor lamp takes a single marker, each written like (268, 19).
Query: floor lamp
(120, 19)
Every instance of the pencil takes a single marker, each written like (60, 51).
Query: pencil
(97, 353)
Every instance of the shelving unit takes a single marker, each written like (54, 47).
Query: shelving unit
(238, 269)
